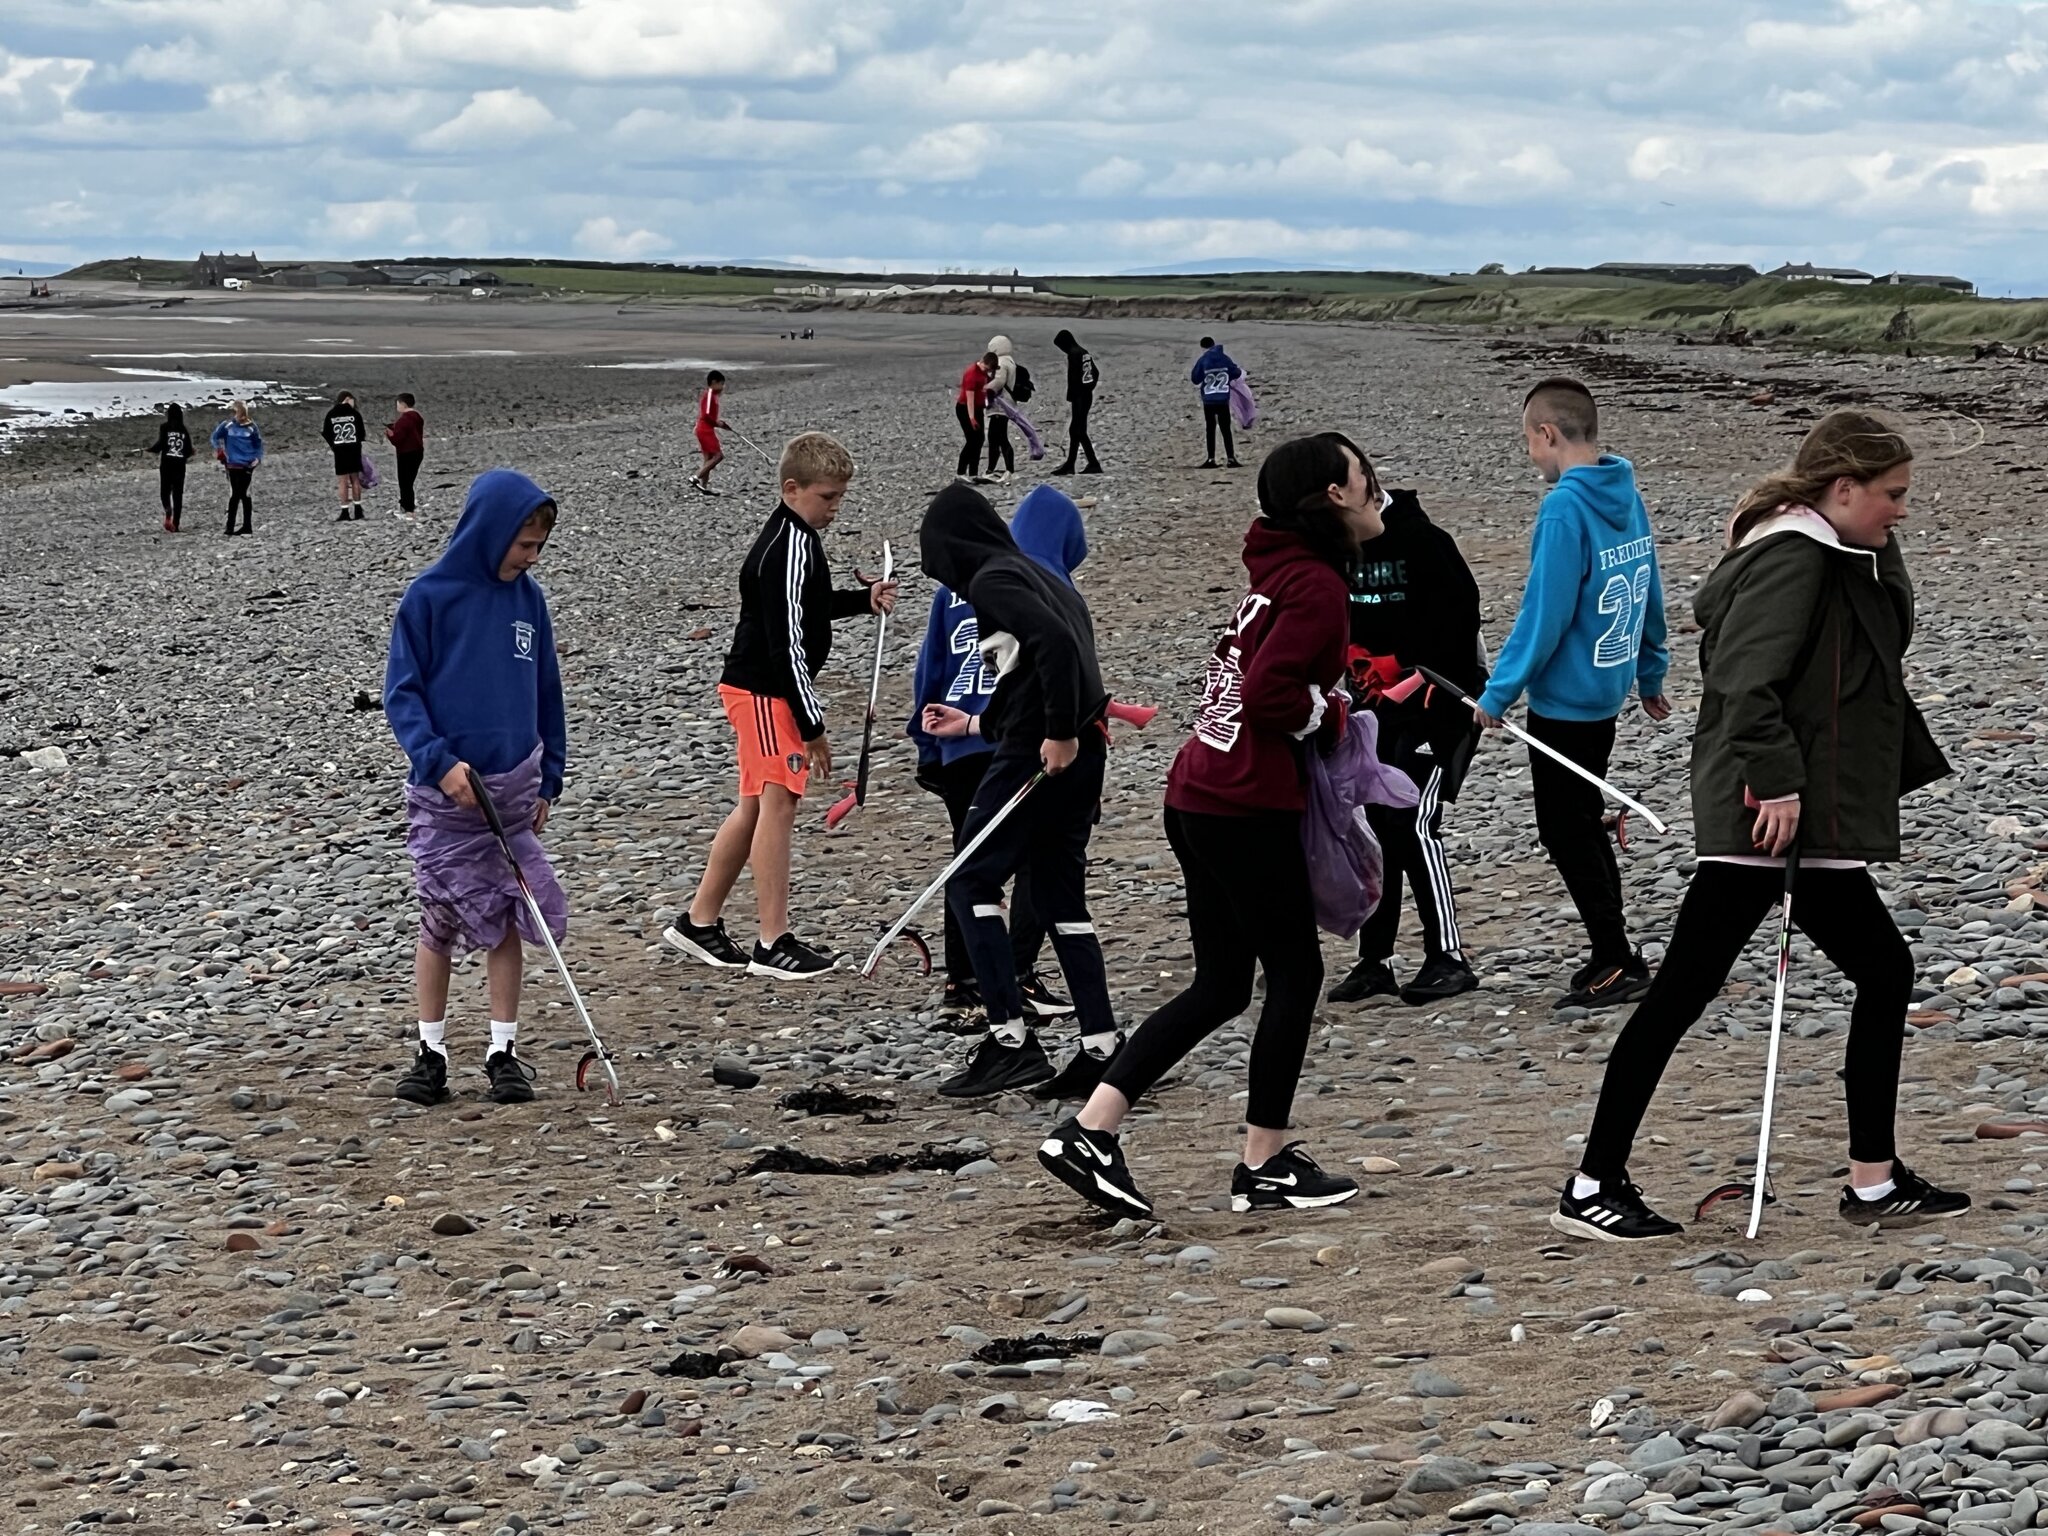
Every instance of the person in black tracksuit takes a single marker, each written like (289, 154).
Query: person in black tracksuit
(1414, 604)
(1082, 378)
(343, 432)
(173, 450)
(1046, 719)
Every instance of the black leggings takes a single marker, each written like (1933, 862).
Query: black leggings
(1248, 907)
(1078, 441)
(956, 783)
(1216, 413)
(170, 486)
(1840, 911)
(999, 442)
(1571, 823)
(970, 451)
(238, 495)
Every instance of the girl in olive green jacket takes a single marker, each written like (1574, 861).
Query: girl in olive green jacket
(1806, 735)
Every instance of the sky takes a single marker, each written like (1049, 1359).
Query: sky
(1044, 135)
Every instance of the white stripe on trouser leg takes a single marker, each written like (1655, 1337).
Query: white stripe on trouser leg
(1070, 929)
(989, 911)
(1436, 862)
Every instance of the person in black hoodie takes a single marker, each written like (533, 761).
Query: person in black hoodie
(343, 430)
(173, 450)
(1046, 719)
(1414, 604)
(1081, 381)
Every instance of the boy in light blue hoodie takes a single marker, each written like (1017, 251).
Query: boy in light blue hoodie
(1591, 627)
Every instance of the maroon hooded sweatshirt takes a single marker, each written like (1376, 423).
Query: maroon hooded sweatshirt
(1267, 681)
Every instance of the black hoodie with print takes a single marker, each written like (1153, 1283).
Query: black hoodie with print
(1413, 599)
(1081, 373)
(1035, 629)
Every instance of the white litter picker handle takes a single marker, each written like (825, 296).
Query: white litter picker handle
(875, 957)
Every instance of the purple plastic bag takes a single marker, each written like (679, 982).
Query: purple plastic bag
(1345, 870)
(1244, 405)
(1032, 440)
(369, 474)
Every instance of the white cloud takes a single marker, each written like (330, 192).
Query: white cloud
(605, 239)
(953, 153)
(492, 121)
(1117, 174)
(35, 89)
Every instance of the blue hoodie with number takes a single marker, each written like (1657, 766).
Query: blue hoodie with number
(1592, 619)
(472, 675)
(1047, 526)
(1214, 372)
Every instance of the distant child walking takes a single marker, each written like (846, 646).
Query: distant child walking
(970, 407)
(708, 423)
(473, 683)
(239, 447)
(407, 434)
(343, 430)
(1591, 627)
(1002, 456)
(1213, 374)
(780, 644)
(173, 450)
(1082, 377)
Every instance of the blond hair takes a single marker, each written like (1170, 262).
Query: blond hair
(1854, 444)
(240, 409)
(814, 458)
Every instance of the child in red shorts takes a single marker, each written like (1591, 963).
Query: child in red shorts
(781, 643)
(708, 423)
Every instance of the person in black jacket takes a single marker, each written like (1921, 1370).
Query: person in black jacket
(1414, 604)
(1081, 381)
(173, 450)
(1046, 719)
(780, 644)
(343, 430)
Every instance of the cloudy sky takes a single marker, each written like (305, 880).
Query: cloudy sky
(1051, 135)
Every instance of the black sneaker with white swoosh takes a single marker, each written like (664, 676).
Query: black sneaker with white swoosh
(1091, 1164)
(1289, 1179)
(1613, 1213)
(1912, 1200)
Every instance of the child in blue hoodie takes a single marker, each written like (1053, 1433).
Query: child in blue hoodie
(239, 447)
(1213, 374)
(472, 682)
(950, 670)
(1591, 626)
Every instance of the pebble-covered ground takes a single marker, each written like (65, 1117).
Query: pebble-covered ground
(241, 1286)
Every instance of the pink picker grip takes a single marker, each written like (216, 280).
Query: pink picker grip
(1403, 690)
(840, 811)
(1137, 716)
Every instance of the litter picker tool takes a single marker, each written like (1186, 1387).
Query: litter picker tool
(875, 956)
(1437, 679)
(597, 1053)
(859, 797)
(1763, 1140)
(736, 432)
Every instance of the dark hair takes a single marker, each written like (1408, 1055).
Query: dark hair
(174, 413)
(1208, 341)
(1567, 405)
(1063, 339)
(990, 361)
(344, 398)
(405, 400)
(1294, 492)
(714, 377)
(1855, 444)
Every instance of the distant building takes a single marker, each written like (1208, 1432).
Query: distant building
(1732, 274)
(419, 277)
(1923, 280)
(1807, 272)
(474, 277)
(327, 274)
(903, 287)
(209, 270)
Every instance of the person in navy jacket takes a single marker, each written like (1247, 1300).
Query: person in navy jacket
(1213, 374)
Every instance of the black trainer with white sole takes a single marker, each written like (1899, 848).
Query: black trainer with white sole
(1091, 1164)
(1613, 1213)
(998, 1068)
(707, 943)
(1290, 1178)
(1041, 999)
(792, 959)
(1607, 986)
(1081, 1076)
(1912, 1200)
(427, 1080)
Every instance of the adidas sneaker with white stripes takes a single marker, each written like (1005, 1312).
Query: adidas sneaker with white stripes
(1613, 1213)
(1909, 1201)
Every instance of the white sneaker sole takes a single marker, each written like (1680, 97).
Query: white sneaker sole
(1050, 1010)
(1089, 1184)
(1243, 1203)
(756, 968)
(1571, 1226)
(676, 939)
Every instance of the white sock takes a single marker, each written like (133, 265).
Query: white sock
(1099, 1046)
(501, 1035)
(1010, 1032)
(1584, 1188)
(433, 1035)
(1876, 1191)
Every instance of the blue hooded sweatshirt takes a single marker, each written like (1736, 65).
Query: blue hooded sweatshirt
(243, 443)
(1592, 619)
(1215, 372)
(1047, 526)
(472, 675)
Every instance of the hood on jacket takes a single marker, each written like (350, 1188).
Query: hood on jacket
(497, 507)
(1064, 340)
(1710, 603)
(1047, 526)
(1807, 522)
(1000, 345)
(1268, 549)
(1606, 490)
(961, 533)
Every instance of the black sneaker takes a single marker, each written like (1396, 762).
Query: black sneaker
(1289, 1178)
(427, 1081)
(1208, 464)
(998, 1068)
(1062, 469)
(1079, 1077)
(1608, 986)
(1091, 1164)
(1042, 1000)
(792, 959)
(960, 997)
(1232, 464)
(1912, 1200)
(344, 516)
(1438, 981)
(357, 515)
(1613, 1213)
(1368, 978)
(511, 1078)
(706, 942)
(1094, 469)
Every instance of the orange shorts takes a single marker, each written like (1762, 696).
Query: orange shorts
(771, 746)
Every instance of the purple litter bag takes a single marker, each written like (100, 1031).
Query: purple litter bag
(1345, 868)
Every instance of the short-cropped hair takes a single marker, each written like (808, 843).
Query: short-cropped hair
(815, 458)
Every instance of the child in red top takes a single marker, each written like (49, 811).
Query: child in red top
(970, 406)
(708, 423)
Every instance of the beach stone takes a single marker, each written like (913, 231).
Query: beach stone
(1295, 1318)
(452, 1224)
(1427, 1382)
(1135, 1341)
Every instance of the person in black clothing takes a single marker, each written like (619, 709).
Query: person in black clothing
(1046, 719)
(1081, 381)
(343, 430)
(173, 450)
(1414, 604)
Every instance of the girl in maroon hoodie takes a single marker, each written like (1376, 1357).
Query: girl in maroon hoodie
(1234, 803)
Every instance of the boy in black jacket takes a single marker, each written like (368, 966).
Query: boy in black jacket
(1081, 380)
(1414, 603)
(781, 643)
(1045, 715)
